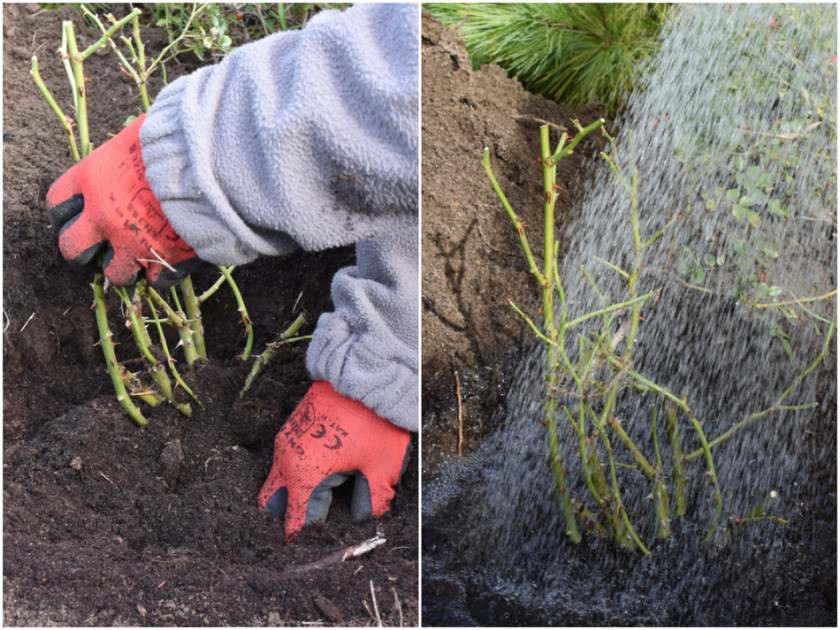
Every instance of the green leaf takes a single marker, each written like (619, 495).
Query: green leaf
(769, 251)
(792, 315)
(754, 218)
(698, 276)
(709, 260)
(732, 194)
(788, 349)
(738, 211)
(775, 207)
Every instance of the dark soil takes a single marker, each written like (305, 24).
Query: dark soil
(109, 524)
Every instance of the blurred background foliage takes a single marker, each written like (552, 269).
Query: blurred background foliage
(572, 53)
(213, 29)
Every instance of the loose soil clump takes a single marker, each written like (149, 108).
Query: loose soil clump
(109, 524)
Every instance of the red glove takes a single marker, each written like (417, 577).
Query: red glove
(328, 438)
(104, 201)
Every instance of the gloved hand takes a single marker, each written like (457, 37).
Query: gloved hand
(327, 439)
(104, 201)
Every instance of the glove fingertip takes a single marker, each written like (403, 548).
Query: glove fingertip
(319, 502)
(64, 187)
(120, 270)
(405, 461)
(361, 505)
(277, 503)
(293, 526)
(78, 243)
(61, 213)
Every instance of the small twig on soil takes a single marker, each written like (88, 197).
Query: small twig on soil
(354, 551)
(375, 607)
(537, 120)
(106, 478)
(460, 415)
(397, 605)
(786, 136)
(157, 259)
(26, 323)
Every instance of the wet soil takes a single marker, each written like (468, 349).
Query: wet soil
(473, 348)
(105, 523)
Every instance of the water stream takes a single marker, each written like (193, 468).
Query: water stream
(734, 131)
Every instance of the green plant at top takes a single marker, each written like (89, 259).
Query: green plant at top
(590, 367)
(143, 306)
(570, 52)
(213, 29)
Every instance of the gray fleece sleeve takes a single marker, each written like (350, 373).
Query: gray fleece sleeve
(306, 138)
(310, 139)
